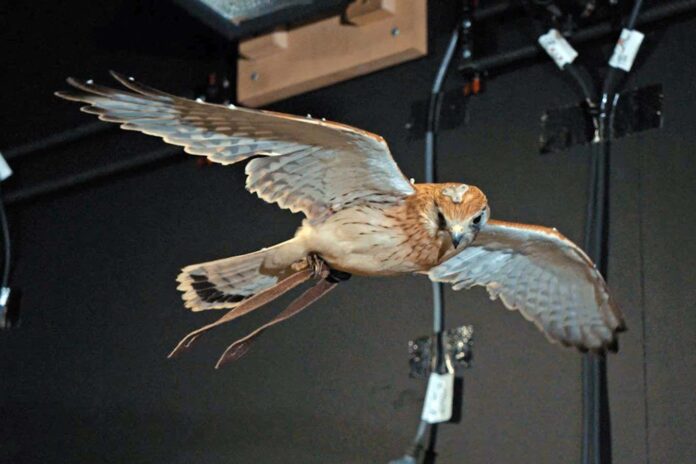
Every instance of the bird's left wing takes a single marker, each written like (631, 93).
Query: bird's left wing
(542, 274)
(306, 164)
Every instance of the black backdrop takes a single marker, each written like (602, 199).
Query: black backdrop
(85, 379)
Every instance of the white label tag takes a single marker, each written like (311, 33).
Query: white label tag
(5, 169)
(558, 48)
(438, 398)
(626, 49)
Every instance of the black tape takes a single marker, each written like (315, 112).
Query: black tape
(636, 110)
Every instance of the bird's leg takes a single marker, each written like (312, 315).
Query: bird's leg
(248, 305)
(322, 270)
(329, 278)
(239, 348)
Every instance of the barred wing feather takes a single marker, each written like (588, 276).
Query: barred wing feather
(542, 274)
(305, 164)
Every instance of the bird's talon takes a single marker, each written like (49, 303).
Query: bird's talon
(319, 267)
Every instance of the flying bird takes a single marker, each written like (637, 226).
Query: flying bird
(362, 216)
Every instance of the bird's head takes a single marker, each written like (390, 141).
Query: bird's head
(457, 212)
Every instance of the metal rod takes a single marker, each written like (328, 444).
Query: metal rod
(657, 13)
(55, 140)
(54, 186)
(483, 13)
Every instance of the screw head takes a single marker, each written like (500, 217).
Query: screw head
(254, 76)
(395, 31)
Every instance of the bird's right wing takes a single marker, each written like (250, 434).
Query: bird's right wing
(305, 164)
(545, 276)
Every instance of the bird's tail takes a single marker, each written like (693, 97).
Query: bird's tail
(227, 282)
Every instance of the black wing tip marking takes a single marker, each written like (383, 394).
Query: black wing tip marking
(208, 292)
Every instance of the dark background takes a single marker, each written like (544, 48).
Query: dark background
(85, 379)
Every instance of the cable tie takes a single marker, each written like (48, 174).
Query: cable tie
(5, 169)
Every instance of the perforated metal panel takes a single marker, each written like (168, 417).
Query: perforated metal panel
(235, 19)
(241, 10)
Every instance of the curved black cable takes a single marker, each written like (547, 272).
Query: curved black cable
(433, 124)
(434, 105)
(418, 452)
(7, 250)
(614, 75)
(590, 381)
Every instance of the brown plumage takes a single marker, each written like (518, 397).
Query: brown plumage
(363, 216)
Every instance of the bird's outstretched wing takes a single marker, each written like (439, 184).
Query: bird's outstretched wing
(307, 165)
(545, 276)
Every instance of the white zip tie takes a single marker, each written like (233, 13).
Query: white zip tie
(5, 169)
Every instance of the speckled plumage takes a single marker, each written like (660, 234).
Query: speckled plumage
(363, 216)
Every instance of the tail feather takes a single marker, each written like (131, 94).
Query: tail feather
(227, 282)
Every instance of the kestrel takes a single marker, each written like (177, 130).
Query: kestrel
(362, 216)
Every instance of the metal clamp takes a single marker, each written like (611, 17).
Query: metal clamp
(458, 350)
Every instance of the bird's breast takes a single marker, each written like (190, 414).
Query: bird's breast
(372, 240)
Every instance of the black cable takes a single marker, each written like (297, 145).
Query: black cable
(7, 250)
(590, 415)
(584, 81)
(596, 403)
(434, 105)
(432, 126)
(421, 452)
(631, 23)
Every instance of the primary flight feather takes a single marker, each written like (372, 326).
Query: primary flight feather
(363, 216)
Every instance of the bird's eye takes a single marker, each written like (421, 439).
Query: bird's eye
(441, 222)
(477, 219)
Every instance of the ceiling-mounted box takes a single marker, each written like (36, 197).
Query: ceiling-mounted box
(370, 35)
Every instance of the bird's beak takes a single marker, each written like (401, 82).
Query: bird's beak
(456, 233)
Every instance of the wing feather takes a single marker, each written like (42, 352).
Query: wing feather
(307, 165)
(543, 275)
